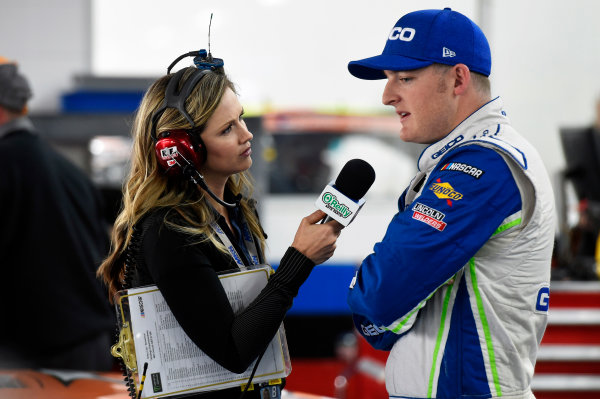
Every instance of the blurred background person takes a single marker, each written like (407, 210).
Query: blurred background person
(576, 259)
(584, 237)
(52, 238)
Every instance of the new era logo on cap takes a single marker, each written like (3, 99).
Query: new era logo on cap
(446, 52)
(424, 37)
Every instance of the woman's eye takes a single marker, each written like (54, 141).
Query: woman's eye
(228, 129)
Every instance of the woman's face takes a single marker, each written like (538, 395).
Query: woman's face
(227, 140)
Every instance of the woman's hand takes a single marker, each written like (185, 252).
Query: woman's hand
(317, 241)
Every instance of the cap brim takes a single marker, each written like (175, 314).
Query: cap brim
(372, 68)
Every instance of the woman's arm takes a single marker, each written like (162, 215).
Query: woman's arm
(186, 276)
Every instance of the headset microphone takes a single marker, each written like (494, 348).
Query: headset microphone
(182, 152)
(341, 200)
(196, 177)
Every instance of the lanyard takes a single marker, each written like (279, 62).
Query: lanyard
(248, 241)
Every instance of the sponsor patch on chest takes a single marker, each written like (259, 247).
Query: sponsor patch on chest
(464, 168)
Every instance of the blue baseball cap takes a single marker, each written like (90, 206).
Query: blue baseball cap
(422, 38)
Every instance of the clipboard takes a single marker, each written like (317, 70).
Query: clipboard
(150, 334)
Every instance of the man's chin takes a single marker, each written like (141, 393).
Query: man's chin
(405, 134)
(401, 131)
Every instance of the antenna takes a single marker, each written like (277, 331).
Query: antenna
(209, 25)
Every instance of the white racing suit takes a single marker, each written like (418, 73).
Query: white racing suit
(458, 288)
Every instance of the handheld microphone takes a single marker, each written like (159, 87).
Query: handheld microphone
(341, 200)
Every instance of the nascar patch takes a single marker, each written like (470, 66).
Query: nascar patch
(464, 168)
(428, 215)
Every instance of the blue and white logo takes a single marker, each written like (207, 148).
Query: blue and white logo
(404, 34)
(449, 145)
(446, 52)
(543, 300)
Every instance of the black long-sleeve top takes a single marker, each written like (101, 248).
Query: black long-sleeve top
(180, 264)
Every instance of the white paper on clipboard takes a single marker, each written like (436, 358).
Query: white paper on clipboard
(176, 366)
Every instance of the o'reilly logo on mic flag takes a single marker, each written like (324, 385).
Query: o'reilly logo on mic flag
(337, 206)
(332, 203)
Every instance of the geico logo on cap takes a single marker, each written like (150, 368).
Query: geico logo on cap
(445, 36)
(404, 34)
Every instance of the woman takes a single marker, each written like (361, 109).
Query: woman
(166, 233)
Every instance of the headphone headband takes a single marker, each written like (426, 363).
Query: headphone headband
(176, 99)
(202, 60)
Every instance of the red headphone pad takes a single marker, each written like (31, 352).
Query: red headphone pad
(175, 149)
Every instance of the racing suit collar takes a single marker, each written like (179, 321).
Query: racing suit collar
(489, 114)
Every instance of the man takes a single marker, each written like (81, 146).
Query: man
(52, 238)
(458, 288)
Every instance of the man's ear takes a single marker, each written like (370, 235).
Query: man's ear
(462, 78)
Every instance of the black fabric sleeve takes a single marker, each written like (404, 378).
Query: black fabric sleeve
(185, 274)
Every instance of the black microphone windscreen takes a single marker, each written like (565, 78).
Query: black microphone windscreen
(355, 179)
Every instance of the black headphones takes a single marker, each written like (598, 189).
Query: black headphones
(182, 152)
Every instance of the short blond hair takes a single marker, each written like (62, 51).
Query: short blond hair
(481, 83)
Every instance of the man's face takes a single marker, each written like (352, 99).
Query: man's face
(424, 100)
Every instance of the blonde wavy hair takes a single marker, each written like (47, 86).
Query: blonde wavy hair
(148, 188)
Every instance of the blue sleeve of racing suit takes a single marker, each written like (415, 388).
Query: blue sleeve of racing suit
(431, 240)
(377, 337)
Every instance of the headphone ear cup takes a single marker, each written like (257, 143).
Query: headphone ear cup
(175, 151)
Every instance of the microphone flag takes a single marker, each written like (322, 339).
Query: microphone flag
(337, 206)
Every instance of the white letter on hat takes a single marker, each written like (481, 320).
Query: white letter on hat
(404, 34)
